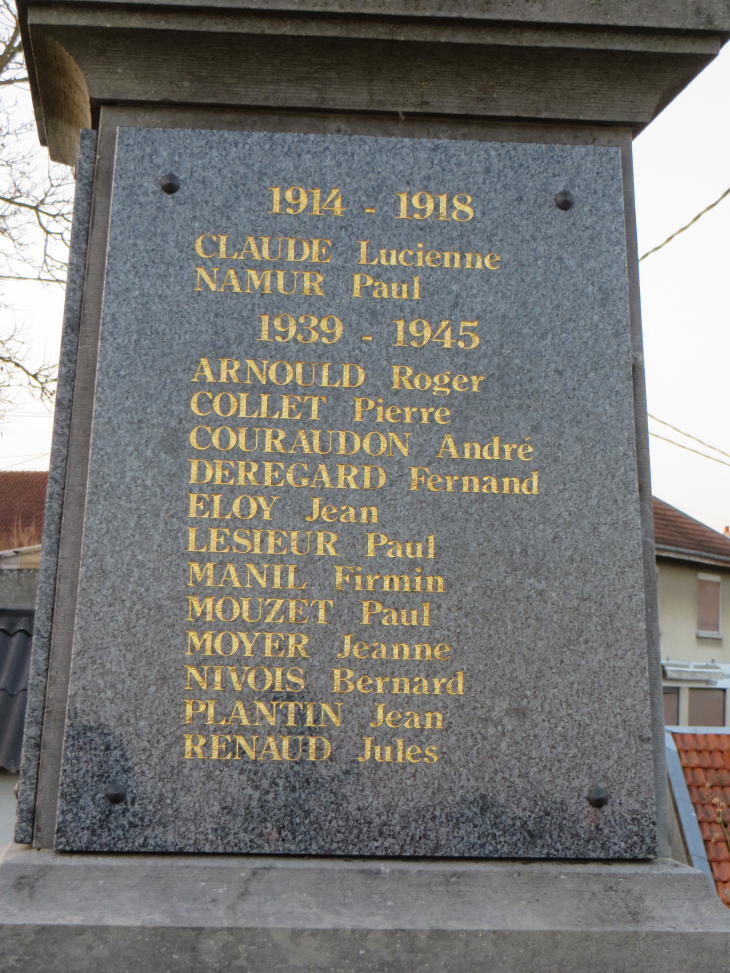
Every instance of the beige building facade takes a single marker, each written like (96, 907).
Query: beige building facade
(693, 574)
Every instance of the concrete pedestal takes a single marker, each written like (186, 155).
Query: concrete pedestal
(157, 914)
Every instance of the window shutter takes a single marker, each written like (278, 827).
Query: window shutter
(708, 605)
(707, 707)
(671, 707)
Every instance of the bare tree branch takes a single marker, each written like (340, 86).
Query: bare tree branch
(15, 373)
(39, 379)
(35, 217)
(11, 47)
(34, 206)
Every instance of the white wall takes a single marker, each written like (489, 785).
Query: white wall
(678, 614)
(678, 627)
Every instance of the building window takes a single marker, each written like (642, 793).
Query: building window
(671, 707)
(706, 707)
(708, 604)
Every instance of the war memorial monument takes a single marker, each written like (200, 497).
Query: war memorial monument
(346, 652)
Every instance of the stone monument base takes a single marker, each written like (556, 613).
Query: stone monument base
(173, 914)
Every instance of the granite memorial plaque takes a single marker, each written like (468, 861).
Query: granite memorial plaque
(361, 569)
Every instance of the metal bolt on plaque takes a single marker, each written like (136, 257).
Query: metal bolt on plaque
(597, 797)
(170, 183)
(115, 794)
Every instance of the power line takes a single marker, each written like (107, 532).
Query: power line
(691, 222)
(34, 280)
(689, 450)
(670, 426)
(32, 459)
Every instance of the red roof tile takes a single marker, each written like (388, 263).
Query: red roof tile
(704, 757)
(689, 741)
(678, 536)
(717, 852)
(721, 871)
(689, 758)
(705, 813)
(22, 505)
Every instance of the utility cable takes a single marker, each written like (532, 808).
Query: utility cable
(689, 450)
(694, 438)
(32, 459)
(691, 222)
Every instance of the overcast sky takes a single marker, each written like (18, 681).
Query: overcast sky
(682, 164)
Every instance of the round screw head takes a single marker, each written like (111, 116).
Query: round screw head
(115, 794)
(170, 183)
(564, 199)
(597, 797)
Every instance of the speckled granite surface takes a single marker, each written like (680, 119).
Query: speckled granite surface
(542, 693)
(54, 493)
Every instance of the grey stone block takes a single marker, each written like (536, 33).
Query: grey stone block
(562, 61)
(55, 490)
(513, 772)
(210, 914)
